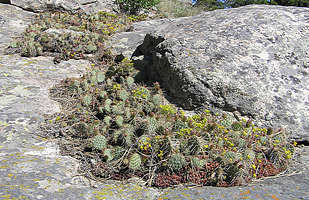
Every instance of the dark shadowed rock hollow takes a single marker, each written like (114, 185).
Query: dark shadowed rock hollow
(254, 60)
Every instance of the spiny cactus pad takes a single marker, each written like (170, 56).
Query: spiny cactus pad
(135, 162)
(177, 162)
(99, 142)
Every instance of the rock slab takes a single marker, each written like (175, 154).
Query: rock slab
(32, 168)
(253, 60)
(89, 6)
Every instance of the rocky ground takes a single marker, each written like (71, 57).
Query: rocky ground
(31, 166)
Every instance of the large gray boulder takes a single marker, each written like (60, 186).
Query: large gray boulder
(88, 6)
(253, 59)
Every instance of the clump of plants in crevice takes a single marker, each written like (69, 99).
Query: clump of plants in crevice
(121, 128)
(67, 35)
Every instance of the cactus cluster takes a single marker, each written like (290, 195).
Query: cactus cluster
(133, 128)
(68, 35)
(128, 127)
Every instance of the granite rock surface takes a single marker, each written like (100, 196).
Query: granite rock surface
(31, 167)
(252, 60)
(88, 6)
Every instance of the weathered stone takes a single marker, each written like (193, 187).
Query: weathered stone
(32, 168)
(252, 59)
(89, 6)
(125, 43)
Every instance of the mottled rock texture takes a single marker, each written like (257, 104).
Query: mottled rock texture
(89, 6)
(253, 59)
(32, 168)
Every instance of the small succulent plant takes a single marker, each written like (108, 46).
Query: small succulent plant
(197, 162)
(135, 161)
(99, 142)
(87, 100)
(176, 162)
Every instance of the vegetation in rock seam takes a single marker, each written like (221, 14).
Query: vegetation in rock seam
(66, 35)
(124, 129)
(120, 128)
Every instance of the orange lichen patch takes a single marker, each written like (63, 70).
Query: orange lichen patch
(274, 197)
(245, 192)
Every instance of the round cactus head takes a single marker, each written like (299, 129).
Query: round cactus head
(99, 142)
(177, 162)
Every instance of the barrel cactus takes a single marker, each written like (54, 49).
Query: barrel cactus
(152, 125)
(93, 79)
(193, 145)
(177, 162)
(103, 94)
(227, 121)
(241, 143)
(157, 100)
(231, 157)
(100, 77)
(118, 109)
(130, 81)
(118, 152)
(107, 105)
(237, 126)
(123, 95)
(119, 120)
(107, 120)
(85, 85)
(249, 154)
